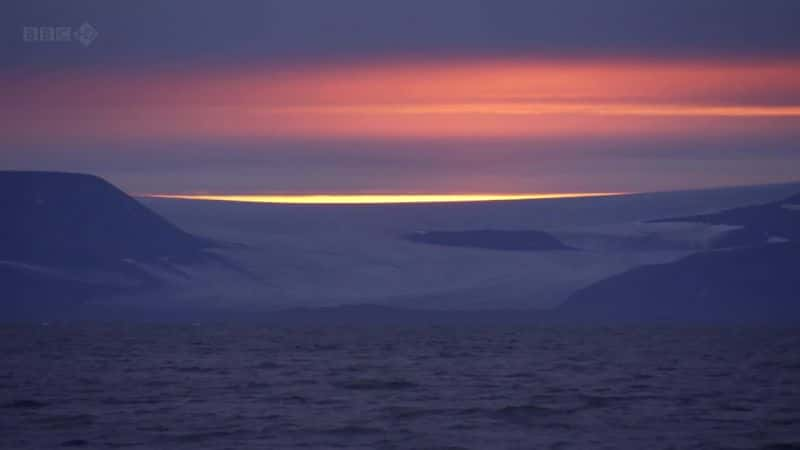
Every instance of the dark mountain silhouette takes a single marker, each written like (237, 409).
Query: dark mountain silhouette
(520, 240)
(69, 219)
(60, 229)
(752, 284)
(758, 223)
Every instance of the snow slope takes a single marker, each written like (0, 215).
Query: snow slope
(334, 255)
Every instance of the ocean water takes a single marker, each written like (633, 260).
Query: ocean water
(248, 387)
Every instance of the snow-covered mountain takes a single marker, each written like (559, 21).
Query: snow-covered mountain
(748, 272)
(748, 284)
(77, 239)
(66, 238)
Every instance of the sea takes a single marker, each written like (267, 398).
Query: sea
(235, 386)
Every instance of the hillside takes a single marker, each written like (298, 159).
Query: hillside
(758, 223)
(68, 238)
(73, 220)
(753, 284)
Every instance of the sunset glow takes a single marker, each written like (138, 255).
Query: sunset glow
(356, 199)
(415, 99)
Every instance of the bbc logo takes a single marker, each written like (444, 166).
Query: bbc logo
(47, 34)
(85, 34)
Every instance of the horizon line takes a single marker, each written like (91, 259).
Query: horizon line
(374, 199)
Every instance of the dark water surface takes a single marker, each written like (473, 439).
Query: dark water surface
(243, 387)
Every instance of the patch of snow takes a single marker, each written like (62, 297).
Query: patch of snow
(777, 240)
(26, 266)
(644, 236)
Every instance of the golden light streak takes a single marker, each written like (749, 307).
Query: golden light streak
(368, 199)
(534, 109)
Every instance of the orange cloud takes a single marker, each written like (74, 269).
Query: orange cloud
(413, 99)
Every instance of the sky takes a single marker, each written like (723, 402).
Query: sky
(436, 97)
